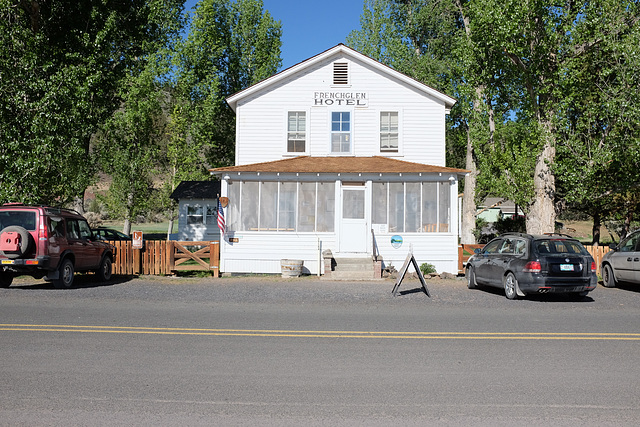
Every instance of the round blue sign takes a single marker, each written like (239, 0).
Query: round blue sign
(396, 241)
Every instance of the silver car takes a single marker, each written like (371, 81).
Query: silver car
(622, 263)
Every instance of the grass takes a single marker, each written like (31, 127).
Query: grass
(146, 228)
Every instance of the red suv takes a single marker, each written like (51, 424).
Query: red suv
(48, 242)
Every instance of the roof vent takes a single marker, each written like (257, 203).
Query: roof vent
(340, 73)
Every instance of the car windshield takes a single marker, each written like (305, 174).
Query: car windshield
(27, 220)
(559, 246)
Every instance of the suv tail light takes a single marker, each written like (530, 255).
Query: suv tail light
(533, 267)
(43, 235)
(593, 267)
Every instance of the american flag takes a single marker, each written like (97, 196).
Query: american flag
(221, 223)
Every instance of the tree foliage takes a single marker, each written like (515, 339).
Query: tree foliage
(61, 65)
(230, 46)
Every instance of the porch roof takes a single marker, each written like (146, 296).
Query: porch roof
(339, 164)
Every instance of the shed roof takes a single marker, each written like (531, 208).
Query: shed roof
(196, 190)
(341, 164)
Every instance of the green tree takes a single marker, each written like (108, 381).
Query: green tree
(61, 64)
(230, 46)
(600, 120)
(543, 41)
(129, 144)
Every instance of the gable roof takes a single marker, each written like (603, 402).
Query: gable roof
(341, 164)
(196, 190)
(346, 51)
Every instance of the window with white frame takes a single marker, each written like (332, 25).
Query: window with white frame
(281, 206)
(412, 207)
(202, 214)
(195, 215)
(389, 131)
(296, 131)
(341, 132)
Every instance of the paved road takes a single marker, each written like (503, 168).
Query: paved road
(266, 351)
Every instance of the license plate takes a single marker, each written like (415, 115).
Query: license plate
(566, 267)
(7, 261)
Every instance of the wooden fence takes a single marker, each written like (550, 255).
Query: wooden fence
(465, 252)
(162, 257)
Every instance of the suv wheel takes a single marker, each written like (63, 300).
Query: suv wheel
(5, 280)
(65, 278)
(25, 241)
(608, 279)
(511, 286)
(104, 272)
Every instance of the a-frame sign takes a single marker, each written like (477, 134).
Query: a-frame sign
(403, 271)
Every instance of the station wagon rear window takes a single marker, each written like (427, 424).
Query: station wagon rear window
(559, 247)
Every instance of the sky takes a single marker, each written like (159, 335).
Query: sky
(310, 27)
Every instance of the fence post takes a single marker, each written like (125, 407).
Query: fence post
(214, 258)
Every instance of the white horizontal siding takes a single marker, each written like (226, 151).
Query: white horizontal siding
(261, 120)
(439, 249)
(262, 252)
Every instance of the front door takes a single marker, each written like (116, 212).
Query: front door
(353, 224)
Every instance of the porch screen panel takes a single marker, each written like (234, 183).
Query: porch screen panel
(268, 206)
(307, 206)
(326, 207)
(232, 211)
(444, 207)
(353, 204)
(379, 205)
(287, 206)
(412, 207)
(430, 207)
(249, 206)
(396, 207)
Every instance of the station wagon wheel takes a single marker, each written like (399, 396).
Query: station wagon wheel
(510, 286)
(608, 279)
(471, 279)
(65, 278)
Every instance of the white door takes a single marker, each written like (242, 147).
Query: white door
(353, 224)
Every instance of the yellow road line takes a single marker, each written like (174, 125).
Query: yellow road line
(327, 334)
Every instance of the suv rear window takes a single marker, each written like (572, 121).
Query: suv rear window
(27, 220)
(559, 246)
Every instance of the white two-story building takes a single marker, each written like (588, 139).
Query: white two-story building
(339, 152)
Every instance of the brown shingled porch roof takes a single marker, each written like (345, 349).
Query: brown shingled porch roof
(339, 164)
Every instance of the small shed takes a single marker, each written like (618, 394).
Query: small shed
(197, 210)
(494, 208)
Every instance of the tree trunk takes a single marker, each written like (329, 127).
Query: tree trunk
(170, 229)
(542, 214)
(595, 231)
(468, 199)
(126, 228)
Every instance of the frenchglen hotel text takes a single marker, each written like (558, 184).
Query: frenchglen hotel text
(356, 99)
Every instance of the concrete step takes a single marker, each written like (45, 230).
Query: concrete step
(350, 275)
(352, 268)
(354, 264)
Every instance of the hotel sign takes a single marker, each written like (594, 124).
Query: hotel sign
(356, 99)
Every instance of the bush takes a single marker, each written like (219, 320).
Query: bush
(516, 224)
(427, 268)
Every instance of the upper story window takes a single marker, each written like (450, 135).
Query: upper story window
(340, 73)
(389, 131)
(340, 132)
(296, 131)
